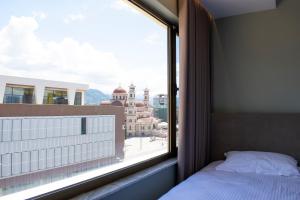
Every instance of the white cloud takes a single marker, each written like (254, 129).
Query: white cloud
(39, 15)
(74, 17)
(23, 53)
(123, 5)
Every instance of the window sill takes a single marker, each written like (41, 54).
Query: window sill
(118, 185)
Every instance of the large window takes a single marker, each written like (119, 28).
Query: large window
(53, 96)
(14, 94)
(108, 58)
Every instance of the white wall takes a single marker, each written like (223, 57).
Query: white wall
(40, 85)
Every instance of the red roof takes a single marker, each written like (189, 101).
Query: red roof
(119, 90)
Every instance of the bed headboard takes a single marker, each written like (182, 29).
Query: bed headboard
(261, 132)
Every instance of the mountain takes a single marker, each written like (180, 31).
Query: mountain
(94, 97)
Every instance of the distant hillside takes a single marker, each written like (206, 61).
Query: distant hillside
(94, 97)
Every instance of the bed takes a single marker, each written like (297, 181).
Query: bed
(273, 132)
(211, 184)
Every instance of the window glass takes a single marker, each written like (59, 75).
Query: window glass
(18, 91)
(111, 52)
(60, 97)
(78, 98)
(18, 95)
(28, 95)
(55, 97)
(48, 97)
(8, 90)
(8, 95)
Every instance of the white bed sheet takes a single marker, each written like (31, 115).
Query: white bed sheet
(210, 184)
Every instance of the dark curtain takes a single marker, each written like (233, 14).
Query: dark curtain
(195, 75)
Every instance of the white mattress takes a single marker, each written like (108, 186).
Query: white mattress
(210, 184)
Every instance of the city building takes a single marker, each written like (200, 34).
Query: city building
(160, 106)
(140, 120)
(46, 139)
(37, 91)
(50, 140)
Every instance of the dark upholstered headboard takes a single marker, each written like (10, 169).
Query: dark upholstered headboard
(260, 132)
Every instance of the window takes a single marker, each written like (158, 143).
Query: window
(83, 125)
(18, 94)
(109, 59)
(54, 96)
(78, 98)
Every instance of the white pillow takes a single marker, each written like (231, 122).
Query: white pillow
(260, 163)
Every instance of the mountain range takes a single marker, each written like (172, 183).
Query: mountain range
(94, 97)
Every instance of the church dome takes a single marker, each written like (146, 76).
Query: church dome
(119, 90)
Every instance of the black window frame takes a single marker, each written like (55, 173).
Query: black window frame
(98, 181)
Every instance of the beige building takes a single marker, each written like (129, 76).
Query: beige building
(138, 114)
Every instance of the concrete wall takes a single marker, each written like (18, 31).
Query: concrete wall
(256, 61)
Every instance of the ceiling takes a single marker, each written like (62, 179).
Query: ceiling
(226, 8)
(219, 8)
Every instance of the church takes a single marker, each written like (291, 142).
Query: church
(139, 119)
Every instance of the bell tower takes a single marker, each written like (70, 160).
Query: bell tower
(131, 112)
(146, 97)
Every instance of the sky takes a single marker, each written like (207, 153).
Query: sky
(103, 43)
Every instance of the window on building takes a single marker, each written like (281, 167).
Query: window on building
(78, 98)
(19, 95)
(55, 96)
(83, 126)
(78, 53)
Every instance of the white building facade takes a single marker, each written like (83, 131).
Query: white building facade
(37, 91)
